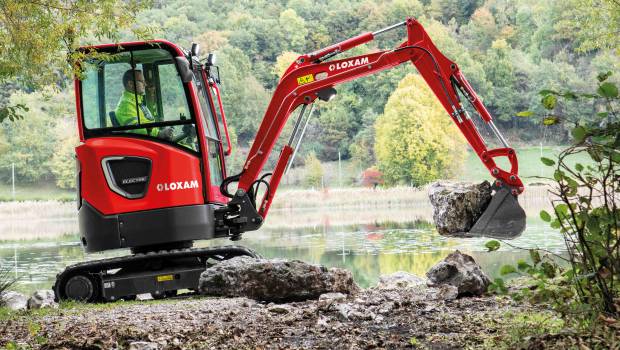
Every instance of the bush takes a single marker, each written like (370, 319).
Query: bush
(372, 177)
(416, 140)
(586, 213)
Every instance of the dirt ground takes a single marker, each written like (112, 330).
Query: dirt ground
(385, 319)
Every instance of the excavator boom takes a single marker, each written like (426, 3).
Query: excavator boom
(315, 75)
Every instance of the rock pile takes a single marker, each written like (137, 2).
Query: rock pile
(18, 301)
(274, 280)
(14, 300)
(42, 298)
(457, 205)
(461, 271)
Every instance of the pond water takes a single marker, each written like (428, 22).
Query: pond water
(384, 243)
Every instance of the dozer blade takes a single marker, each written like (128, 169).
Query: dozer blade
(504, 218)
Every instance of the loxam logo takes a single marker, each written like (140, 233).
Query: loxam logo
(175, 186)
(348, 64)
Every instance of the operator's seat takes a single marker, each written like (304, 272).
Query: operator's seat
(113, 119)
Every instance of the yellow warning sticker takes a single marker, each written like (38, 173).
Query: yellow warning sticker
(164, 278)
(305, 79)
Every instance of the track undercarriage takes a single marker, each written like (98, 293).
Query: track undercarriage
(161, 273)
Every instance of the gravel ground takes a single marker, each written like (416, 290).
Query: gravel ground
(390, 319)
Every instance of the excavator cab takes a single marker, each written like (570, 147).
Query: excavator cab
(153, 145)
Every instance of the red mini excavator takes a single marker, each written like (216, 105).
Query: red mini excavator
(151, 171)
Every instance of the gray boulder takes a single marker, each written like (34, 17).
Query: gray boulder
(400, 279)
(13, 300)
(457, 205)
(462, 271)
(143, 345)
(275, 280)
(42, 298)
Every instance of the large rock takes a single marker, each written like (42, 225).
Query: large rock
(462, 271)
(457, 205)
(42, 298)
(400, 279)
(274, 280)
(14, 300)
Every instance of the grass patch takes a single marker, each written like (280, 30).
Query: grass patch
(518, 326)
(530, 165)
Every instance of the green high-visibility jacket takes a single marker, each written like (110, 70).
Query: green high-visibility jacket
(128, 113)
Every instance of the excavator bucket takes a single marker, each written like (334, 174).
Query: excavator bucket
(504, 218)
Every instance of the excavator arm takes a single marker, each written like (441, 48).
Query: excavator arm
(314, 76)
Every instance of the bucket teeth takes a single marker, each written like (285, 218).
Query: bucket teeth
(503, 218)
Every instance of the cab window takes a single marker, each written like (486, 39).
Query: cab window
(211, 133)
(129, 92)
(218, 113)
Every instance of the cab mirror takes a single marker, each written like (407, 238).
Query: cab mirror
(185, 71)
(195, 49)
(211, 59)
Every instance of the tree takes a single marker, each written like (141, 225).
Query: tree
(500, 70)
(416, 140)
(244, 98)
(594, 23)
(37, 38)
(62, 162)
(314, 171)
(295, 30)
(283, 61)
(372, 177)
(212, 40)
(32, 141)
(460, 10)
(481, 30)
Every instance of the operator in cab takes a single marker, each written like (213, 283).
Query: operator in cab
(132, 107)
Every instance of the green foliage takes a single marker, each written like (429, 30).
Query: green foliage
(284, 60)
(314, 171)
(35, 144)
(243, 97)
(585, 200)
(492, 245)
(415, 141)
(586, 214)
(38, 38)
(593, 24)
(62, 164)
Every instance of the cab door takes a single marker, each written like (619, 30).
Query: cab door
(213, 156)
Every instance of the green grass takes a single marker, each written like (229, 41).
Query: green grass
(35, 192)
(530, 166)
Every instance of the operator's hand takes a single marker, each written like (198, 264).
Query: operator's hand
(189, 130)
(165, 133)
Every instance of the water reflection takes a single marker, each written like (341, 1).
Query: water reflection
(369, 249)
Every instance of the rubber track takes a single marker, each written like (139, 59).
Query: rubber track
(96, 266)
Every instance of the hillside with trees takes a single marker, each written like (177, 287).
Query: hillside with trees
(509, 50)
